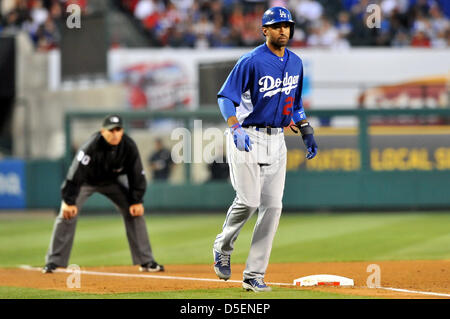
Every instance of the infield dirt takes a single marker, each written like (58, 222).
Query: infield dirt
(424, 276)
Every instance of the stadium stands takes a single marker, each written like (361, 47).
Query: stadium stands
(233, 23)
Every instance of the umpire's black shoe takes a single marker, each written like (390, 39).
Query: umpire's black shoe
(49, 268)
(151, 267)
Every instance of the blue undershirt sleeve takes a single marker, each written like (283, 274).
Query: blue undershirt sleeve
(226, 107)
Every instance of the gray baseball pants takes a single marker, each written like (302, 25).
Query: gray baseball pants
(258, 177)
(136, 228)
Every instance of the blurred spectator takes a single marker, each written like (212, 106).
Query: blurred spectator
(160, 161)
(46, 36)
(218, 169)
(55, 10)
(129, 5)
(326, 35)
(175, 38)
(420, 39)
(441, 39)
(439, 23)
(278, 3)
(22, 10)
(38, 13)
(236, 23)
(252, 34)
(299, 38)
(348, 4)
(422, 6)
(384, 33)
(389, 7)
(359, 9)
(237, 18)
(203, 28)
(308, 10)
(6, 6)
(12, 23)
(220, 37)
(401, 39)
(183, 6)
(343, 25)
(145, 8)
(331, 8)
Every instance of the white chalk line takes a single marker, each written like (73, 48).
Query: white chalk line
(98, 273)
(415, 292)
(110, 274)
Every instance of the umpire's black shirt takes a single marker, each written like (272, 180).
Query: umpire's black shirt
(98, 163)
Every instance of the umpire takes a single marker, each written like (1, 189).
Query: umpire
(108, 163)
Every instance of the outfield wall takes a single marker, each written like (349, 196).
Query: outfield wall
(304, 190)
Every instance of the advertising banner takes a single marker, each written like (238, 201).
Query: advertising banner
(373, 78)
(411, 148)
(12, 184)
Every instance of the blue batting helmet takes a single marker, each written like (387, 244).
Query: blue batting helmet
(277, 15)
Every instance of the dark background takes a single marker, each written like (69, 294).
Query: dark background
(7, 91)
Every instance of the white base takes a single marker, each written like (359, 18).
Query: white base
(323, 280)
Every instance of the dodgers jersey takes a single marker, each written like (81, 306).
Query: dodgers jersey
(267, 89)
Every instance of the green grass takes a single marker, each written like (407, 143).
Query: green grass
(188, 239)
(230, 293)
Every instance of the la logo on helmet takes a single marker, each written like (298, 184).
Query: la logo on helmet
(282, 14)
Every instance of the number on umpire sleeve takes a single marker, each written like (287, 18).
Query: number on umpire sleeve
(83, 158)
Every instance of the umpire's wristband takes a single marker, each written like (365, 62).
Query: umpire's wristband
(305, 128)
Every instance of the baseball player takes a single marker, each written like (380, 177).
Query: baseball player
(261, 96)
(108, 163)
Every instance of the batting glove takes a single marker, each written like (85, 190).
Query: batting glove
(308, 138)
(241, 139)
(311, 145)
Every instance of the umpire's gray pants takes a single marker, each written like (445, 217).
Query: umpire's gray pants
(136, 229)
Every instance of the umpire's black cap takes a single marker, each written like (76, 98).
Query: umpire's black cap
(112, 121)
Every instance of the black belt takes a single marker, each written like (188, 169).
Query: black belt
(266, 129)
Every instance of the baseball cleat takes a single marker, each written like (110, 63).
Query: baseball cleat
(151, 267)
(222, 265)
(255, 284)
(49, 268)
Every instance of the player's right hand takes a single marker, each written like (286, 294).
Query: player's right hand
(241, 139)
(69, 211)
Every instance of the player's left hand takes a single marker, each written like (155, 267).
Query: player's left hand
(311, 145)
(137, 210)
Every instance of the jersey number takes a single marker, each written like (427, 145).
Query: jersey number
(83, 158)
(287, 109)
